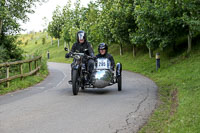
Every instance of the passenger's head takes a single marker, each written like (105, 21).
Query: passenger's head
(103, 48)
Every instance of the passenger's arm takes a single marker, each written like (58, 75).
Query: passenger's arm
(112, 62)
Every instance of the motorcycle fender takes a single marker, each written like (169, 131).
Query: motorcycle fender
(118, 69)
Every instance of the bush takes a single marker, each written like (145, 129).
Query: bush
(9, 50)
(26, 43)
(3, 54)
(43, 40)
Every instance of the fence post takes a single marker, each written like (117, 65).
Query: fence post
(30, 66)
(48, 54)
(40, 61)
(35, 64)
(21, 71)
(7, 75)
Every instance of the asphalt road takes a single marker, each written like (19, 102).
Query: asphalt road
(50, 106)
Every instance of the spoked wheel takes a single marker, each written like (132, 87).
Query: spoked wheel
(75, 82)
(119, 82)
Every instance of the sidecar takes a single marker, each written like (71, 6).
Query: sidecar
(103, 75)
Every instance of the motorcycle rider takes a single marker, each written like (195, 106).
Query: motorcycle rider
(80, 46)
(103, 53)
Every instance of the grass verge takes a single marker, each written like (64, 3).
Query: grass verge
(179, 90)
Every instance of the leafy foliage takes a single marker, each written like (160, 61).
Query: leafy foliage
(10, 51)
(154, 23)
(12, 12)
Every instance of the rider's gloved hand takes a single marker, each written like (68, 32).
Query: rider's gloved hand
(93, 56)
(67, 55)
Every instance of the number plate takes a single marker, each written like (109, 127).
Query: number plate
(103, 63)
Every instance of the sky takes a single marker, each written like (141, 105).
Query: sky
(36, 21)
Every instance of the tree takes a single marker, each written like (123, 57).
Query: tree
(11, 13)
(67, 17)
(191, 19)
(89, 23)
(50, 31)
(145, 19)
(117, 20)
(45, 22)
(3, 56)
(103, 19)
(57, 24)
(158, 23)
(14, 11)
(77, 14)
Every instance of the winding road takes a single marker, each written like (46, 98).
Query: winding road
(50, 107)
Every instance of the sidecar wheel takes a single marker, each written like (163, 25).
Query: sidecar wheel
(119, 82)
(75, 82)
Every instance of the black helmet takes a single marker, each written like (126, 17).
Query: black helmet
(103, 46)
(81, 34)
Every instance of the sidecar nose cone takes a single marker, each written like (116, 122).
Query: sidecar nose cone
(102, 78)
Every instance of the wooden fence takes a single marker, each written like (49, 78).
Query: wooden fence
(7, 65)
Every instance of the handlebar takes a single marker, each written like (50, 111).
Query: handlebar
(82, 54)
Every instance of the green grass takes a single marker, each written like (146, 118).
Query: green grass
(179, 90)
(15, 70)
(18, 84)
(178, 80)
(57, 54)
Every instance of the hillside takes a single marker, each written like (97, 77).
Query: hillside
(178, 81)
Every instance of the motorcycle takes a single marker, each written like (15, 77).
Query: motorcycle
(103, 75)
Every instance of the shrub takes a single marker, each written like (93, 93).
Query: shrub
(43, 40)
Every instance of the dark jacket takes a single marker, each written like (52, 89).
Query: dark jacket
(77, 47)
(108, 56)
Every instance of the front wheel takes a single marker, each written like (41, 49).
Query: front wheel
(75, 82)
(119, 82)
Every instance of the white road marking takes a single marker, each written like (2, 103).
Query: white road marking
(62, 79)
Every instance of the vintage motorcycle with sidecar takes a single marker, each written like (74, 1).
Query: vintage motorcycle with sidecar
(102, 74)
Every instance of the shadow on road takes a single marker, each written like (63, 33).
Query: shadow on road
(96, 91)
(91, 91)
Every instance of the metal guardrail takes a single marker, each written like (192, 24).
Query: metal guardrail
(36, 61)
